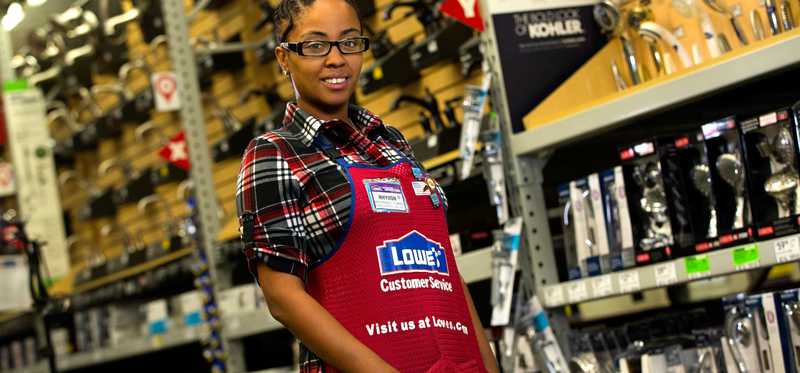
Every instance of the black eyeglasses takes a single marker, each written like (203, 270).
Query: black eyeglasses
(319, 48)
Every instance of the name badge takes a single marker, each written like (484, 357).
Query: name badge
(386, 195)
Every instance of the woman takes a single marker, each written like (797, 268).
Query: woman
(346, 233)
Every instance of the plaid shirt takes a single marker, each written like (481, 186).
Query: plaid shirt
(293, 200)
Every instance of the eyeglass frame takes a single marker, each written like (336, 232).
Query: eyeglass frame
(297, 47)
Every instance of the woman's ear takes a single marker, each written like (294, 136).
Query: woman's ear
(283, 59)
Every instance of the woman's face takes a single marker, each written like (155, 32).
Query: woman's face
(325, 82)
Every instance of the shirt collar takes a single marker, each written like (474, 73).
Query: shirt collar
(308, 126)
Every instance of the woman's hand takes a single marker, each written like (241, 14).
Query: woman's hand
(292, 306)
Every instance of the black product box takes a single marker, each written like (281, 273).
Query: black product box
(728, 181)
(651, 218)
(770, 149)
(693, 193)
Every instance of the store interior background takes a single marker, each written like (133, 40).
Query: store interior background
(114, 308)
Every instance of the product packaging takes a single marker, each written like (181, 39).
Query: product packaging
(789, 322)
(239, 299)
(728, 181)
(617, 219)
(693, 198)
(778, 339)
(648, 204)
(741, 348)
(770, 149)
(567, 219)
(761, 335)
(589, 225)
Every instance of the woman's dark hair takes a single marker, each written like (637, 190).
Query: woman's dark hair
(288, 10)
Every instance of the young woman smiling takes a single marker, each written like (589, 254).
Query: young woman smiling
(334, 209)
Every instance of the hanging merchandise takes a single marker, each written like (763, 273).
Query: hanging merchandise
(237, 136)
(214, 59)
(728, 181)
(504, 266)
(493, 168)
(575, 269)
(111, 35)
(276, 104)
(473, 115)
(440, 138)
(151, 20)
(771, 152)
(443, 36)
(392, 65)
(470, 55)
(527, 38)
(542, 340)
(174, 151)
(137, 106)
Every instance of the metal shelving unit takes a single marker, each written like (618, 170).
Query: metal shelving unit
(660, 96)
(751, 256)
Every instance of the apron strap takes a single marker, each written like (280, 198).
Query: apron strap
(328, 148)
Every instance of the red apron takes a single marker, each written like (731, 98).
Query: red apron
(392, 281)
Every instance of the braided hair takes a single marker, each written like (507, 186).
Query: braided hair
(288, 10)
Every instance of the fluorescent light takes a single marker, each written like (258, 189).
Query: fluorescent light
(13, 16)
(35, 2)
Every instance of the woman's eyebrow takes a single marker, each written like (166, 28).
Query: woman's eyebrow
(350, 31)
(314, 33)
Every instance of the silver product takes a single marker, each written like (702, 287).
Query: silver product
(701, 179)
(718, 7)
(731, 171)
(757, 25)
(738, 327)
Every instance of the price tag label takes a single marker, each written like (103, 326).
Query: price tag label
(554, 295)
(745, 257)
(666, 274)
(787, 249)
(576, 291)
(601, 286)
(697, 266)
(629, 281)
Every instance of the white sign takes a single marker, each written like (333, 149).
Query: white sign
(7, 184)
(666, 274)
(576, 291)
(37, 187)
(14, 283)
(629, 281)
(554, 295)
(165, 90)
(601, 286)
(787, 249)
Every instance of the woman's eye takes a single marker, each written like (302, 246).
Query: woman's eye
(350, 43)
(315, 45)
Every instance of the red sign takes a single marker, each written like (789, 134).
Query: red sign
(177, 151)
(464, 11)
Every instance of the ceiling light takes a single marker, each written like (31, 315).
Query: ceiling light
(13, 17)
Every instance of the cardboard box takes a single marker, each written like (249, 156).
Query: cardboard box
(770, 149)
(728, 181)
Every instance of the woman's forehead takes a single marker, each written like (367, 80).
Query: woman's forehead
(327, 18)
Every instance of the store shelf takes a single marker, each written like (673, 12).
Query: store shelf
(132, 271)
(475, 265)
(176, 337)
(716, 263)
(650, 98)
(40, 367)
(276, 370)
(250, 323)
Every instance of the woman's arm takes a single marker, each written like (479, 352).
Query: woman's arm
(292, 306)
(489, 361)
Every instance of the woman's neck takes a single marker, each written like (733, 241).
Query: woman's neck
(325, 114)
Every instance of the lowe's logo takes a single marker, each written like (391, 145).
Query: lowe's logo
(412, 253)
